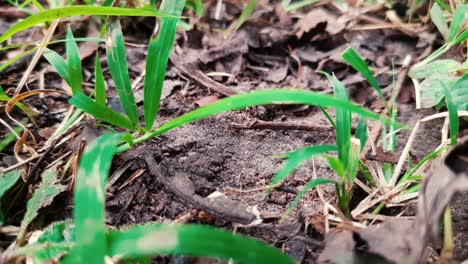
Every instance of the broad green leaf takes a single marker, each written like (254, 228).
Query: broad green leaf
(99, 83)
(193, 240)
(7, 181)
(453, 115)
(435, 67)
(437, 17)
(117, 64)
(310, 185)
(459, 93)
(89, 197)
(342, 120)
(100, 112)
(431, 90)
(353, 58)
(59, 64)
(78, 10)
(42, 197)
(159, 48)
(457, 21)
(74, 63)
(297, 157)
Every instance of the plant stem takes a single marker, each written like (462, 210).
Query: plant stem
(447, 251)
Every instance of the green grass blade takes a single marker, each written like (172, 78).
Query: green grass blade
(15, 58)
(78, 10)
(361, 131)
(266, 97)
(410, 172)
(194, 240)
(246, 13)
(342, 120)
(353, 58)
(337, 166)
(7, 140)
(310, 185)
(438, 19)
(99, 83)
(117, 63)
(100, 112)
(42, 197)
(288, 6)
(453, 116)
(74, 63)
(7, 181)
(159, 48)
(59, 64)
(462, 37)
(457, 21)
(296, 157)
(442, 4)
(90, 194)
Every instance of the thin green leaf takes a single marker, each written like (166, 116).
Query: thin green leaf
(8, 139)
(159, 239)
(117, 64)
(74, 63)
(439, 20)
(310, 185)
(296, 157)
(100, 112)
(337, 166)
(89, 195)
(42, 197)
(288, 6)
(428, 157)
(246, 13)
(353, 58)
(462, 37)
(436, 67)
(59, 64)
(99, 84)
(361, 131)
(353, 161)
(7, 181)
(159, 49)
(457, 21)
(442, 4)
(78, 10)
(453, 115)
(16, 58)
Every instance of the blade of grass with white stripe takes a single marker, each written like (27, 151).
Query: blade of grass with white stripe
(100, 111)
(59, 64)
(117, 63)
(310, 185)
(437, 17)
(7, 181)
(296, 157)
(159, 48)
(78, 10)
(89, 197)
(74, 63)
(194, 240)
(99, 83)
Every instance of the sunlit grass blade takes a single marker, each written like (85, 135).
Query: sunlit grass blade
(337, 166)
(42, 196)
(74, 63)
(438, 19)
(77, 10)
(353, 58)
(117, 63)
(193, 240)
(59, 64)
(100, 111)
(453, 115)
(89, 197)
(296, 157)
(159, 48)
(7, 181)
(342, 119)
(99, 83)
(457, 21)
(310, 185)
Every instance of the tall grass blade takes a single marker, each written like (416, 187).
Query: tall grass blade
(59, 64)
(457, 21)
(193, 240)
(246, 13)
(438, 19)
(288, 6)
(42, 197)
(74, 63)
(353, 58)
(159, 48)
(296, 157)
(117, 64)
(90, 194)
(100, 111)
(310, 185)
(99, 83)
(78, 10)
(7, 181)
(361, 131)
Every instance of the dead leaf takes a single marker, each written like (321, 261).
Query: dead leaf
(317, 16)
